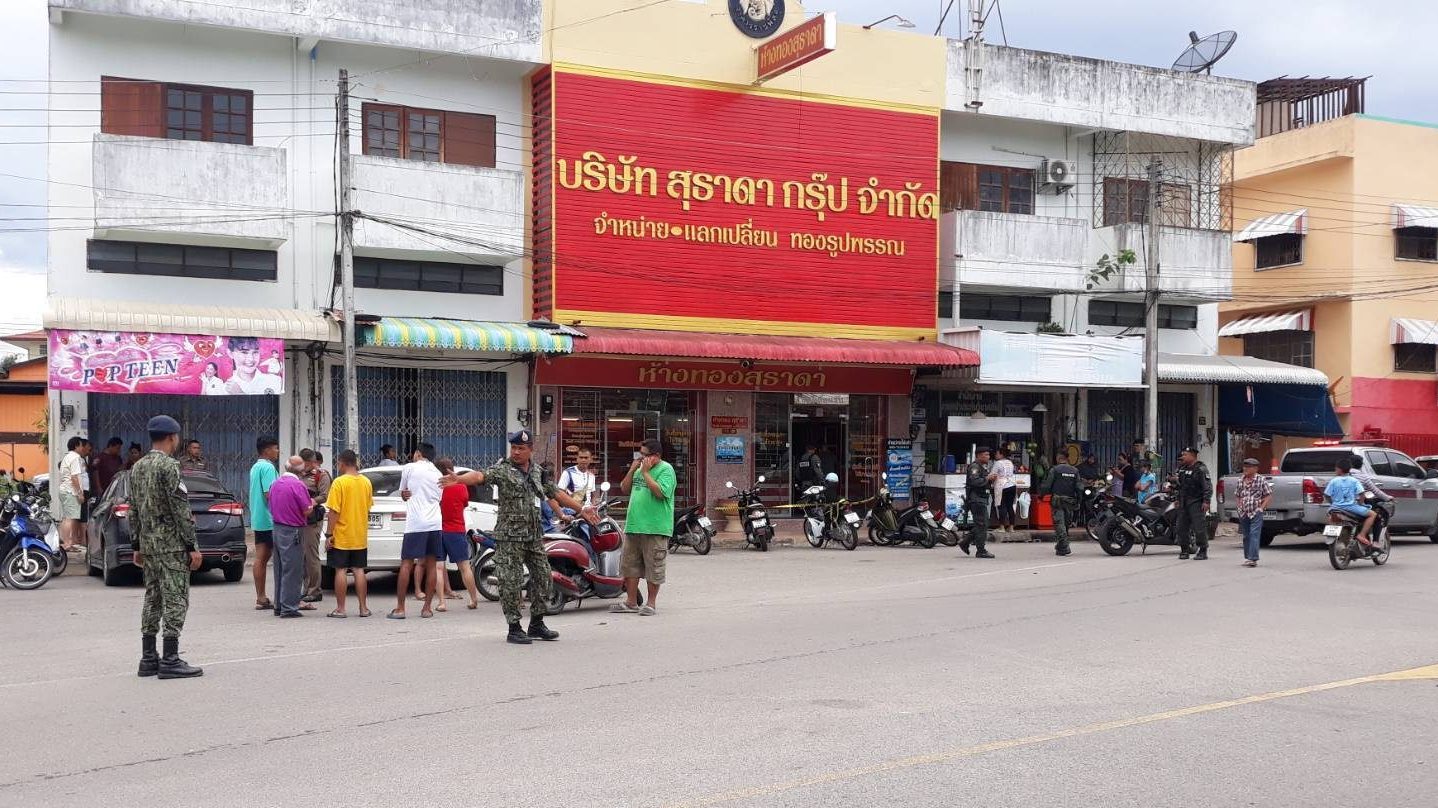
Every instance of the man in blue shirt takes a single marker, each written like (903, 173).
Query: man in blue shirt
(1343, 492)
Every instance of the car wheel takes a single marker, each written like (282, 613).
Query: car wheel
(90, 566)
(112, 575)
(234, 573)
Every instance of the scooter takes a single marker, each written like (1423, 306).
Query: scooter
(692, 529)
(28, 562)
(753, 515)
(576, 572)
(1341, 535)
(826, 521)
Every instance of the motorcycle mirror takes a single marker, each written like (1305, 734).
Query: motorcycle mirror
(761, 478)
(728, 483)
(604, 486)
(1109, 478)
(883, 475)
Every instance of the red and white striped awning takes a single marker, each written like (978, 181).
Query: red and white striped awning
(1407, 331)
(1277, 224)
(1405, 215)
(1301, 320)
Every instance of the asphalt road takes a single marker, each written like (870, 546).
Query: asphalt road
(796, 678)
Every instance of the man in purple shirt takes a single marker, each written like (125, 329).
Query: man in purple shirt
(290, 506)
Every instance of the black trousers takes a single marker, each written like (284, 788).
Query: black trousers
(979, 512)
(1191, 529)
(1006, 505)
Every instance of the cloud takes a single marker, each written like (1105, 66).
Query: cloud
(24, 299)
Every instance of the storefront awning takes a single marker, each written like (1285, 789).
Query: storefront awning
(1414, 216)
(1277, 224)
(1281, 409)
(640, 342)
(463, 335)
(92, 314)
(1407, 331)
(1263, 323)
(1195, 368)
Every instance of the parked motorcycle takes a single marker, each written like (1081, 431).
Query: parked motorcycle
(692, 529)
(1091, 511)
(28, 561)
(1341, 535)
(753, 515)
(584, 559)
(826, 521)
(1125, 521)
(916, 523)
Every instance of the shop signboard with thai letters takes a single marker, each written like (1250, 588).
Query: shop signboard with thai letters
(584, 371)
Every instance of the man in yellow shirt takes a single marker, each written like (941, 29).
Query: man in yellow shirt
(347, 531)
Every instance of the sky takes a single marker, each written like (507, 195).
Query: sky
(1393, 42)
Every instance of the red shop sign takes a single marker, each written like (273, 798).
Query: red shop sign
(578, 371)
(728, 424)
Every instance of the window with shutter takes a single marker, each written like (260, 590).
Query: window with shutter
(428, 135)
(175, 111)
(1001, 189)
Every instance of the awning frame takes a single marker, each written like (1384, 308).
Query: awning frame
(1300, 320)
(1406, 215)
(1412, 331)
(136, 316)
(627, 342)
(1275, 224)
(469, 336)
(1219, 369)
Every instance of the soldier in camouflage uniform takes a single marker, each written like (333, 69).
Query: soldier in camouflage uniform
(163, 532)
(519, 535)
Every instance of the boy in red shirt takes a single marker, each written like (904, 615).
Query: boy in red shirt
(453, 500)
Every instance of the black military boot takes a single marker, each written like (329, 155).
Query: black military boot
(964, 545)
(539, 631)
(982, 552)
(1202, 553)
(172, 667)
(1184, 553)
(149, 660)
(517, 635)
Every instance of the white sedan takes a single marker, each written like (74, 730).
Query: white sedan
(387, 516)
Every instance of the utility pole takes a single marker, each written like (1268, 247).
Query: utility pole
(347, 263)
(1150, 304)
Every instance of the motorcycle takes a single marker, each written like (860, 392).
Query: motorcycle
(753, 515)
(692, 529)
(916, 523)
(1092, 513)
(1341, 535)
(584, 559)
(28, 561)
(1125, 521)
(826, 521)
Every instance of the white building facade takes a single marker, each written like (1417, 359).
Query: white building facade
(1045, 169)
(194, 158)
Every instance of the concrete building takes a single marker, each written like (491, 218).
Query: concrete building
(1335, 244)
(1045, 168)
(195, 141)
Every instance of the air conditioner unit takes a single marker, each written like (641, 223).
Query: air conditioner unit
(1057, 176)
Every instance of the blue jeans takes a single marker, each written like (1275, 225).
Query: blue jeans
(1251, 529)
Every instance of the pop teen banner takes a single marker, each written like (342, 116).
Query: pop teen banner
(175, 364)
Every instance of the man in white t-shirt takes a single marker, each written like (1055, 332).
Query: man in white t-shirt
(247, 380)
(73, 479)
(578, 480)
(423, 528)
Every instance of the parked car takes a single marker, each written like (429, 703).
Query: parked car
(387, 517)
(219, 529)
(1298, 506)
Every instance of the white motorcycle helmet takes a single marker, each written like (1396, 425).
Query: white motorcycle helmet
(831, 477)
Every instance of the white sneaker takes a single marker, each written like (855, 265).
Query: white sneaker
(647, 611)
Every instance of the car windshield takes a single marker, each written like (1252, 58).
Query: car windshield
(1319, 461)
(204, 485)
(385, 481)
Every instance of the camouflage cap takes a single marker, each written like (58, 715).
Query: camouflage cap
(163, 425)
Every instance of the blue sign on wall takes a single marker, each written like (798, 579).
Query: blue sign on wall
(728, 449)
(899, 466)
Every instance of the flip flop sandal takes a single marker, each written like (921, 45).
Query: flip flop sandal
(307, 607)
(441, 608)
(365, 613)
(427, 613)
(472, 606)
(339, 614)
(395, 615)
(261, 605)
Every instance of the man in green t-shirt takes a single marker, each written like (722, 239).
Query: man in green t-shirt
(650, 485)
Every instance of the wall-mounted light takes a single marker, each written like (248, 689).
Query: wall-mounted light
(1039, 407)
(978, 415)
(902, 23)
(1105, 419)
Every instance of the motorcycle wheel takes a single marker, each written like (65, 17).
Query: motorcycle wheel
(949, 538)
(27, 569)
(484, 578)
(763, 539)
(927, 539)
(815, 536)
(1115, 541)
(556, 601)
(848, 537)
(60, 560)
(1385, 547)
(1338, 554)
(704, 544)
(878, 537)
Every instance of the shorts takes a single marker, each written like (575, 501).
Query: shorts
(1360, 511)
(424, 544)
(347, 559)
(264, 537)
(455, 549)
(644, 557)
(69, 505)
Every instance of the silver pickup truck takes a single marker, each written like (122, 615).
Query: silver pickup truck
(1298, 506)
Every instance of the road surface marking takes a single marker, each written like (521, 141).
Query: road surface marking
(1427, 672)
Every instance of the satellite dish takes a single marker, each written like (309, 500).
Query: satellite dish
(1203, 54)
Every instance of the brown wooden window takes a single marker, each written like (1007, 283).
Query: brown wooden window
(1125, 201)
(176, 111)
(1416, 243)
(429, 135)
(1002, 189)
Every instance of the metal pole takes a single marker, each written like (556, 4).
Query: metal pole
(1150, 311)
(347, 264)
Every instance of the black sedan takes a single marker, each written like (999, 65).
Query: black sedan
(219, 529)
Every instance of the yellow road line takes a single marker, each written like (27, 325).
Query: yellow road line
(1427, 672)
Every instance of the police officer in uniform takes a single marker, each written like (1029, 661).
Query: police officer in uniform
(1062, 484)
(518, 533)
(164, 535)
(978, 501)
(1194, 490)
(808, 471)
